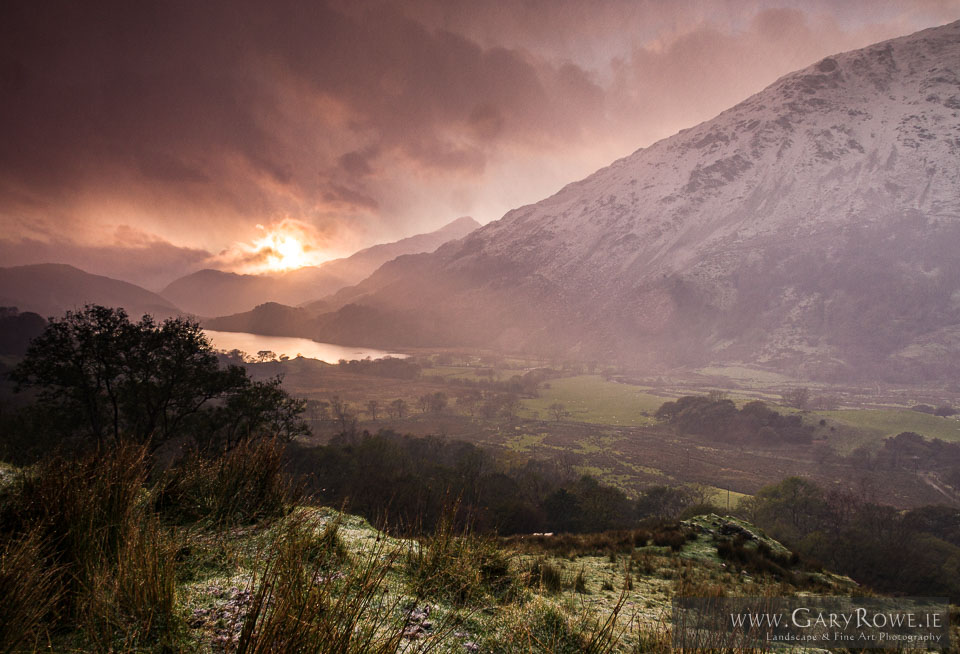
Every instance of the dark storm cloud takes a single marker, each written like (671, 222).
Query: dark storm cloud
(341, 194)
(239, 106)
(193, 121)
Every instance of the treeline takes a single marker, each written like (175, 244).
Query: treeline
(916, 552)
(392, 367)
(525, 385)
(405, 482)
(911, 451)
(941, 411)
(718, 418)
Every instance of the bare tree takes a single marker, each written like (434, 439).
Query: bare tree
(372, 408)
(398, 408)
(343, 414)
(558, 410)
(318, 410)
(716, 396)
(509, 407)
(437, 402)
(798, 398)
(469, 401)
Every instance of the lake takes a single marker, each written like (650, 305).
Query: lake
(253, 343)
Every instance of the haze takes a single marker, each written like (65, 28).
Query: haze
(147, 140)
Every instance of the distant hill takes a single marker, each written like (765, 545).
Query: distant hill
(18, 329)
(812, 229)
(269, 319)
(50, 289)
(217, 293)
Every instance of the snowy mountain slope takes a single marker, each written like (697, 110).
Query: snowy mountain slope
(814, 226)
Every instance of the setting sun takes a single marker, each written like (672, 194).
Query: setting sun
(283, 251)
(283, 246)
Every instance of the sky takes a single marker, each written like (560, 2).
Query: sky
(145, 140)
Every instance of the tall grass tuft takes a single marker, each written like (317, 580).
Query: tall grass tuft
(304, 601)
(459, 565)
(545, 576)
(133, 597)
(29, 594)
(241, 486)
(104, 561)
(543, 626)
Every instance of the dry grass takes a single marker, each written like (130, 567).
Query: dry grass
(242, 486)
(304, 601)
(95, 557)
(460, 566)
(30, 592)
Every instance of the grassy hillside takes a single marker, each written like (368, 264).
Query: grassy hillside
(206, 560)
(613, 590)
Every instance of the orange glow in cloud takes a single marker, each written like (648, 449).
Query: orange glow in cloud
(283, 246)
(283, 251)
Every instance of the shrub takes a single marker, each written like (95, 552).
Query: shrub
(759, 559)
(672, 537)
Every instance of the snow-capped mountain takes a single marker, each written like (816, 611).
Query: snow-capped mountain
(814, 226)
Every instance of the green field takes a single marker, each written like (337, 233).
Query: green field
(455, 372)
(722, 496)
(881, 423)
(747, 376)
(589, 398)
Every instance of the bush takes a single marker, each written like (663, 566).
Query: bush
(759, 559)
(671, 536)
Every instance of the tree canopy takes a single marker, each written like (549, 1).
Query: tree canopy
(98, 374)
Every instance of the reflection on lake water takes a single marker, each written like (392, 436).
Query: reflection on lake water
(292, 347)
